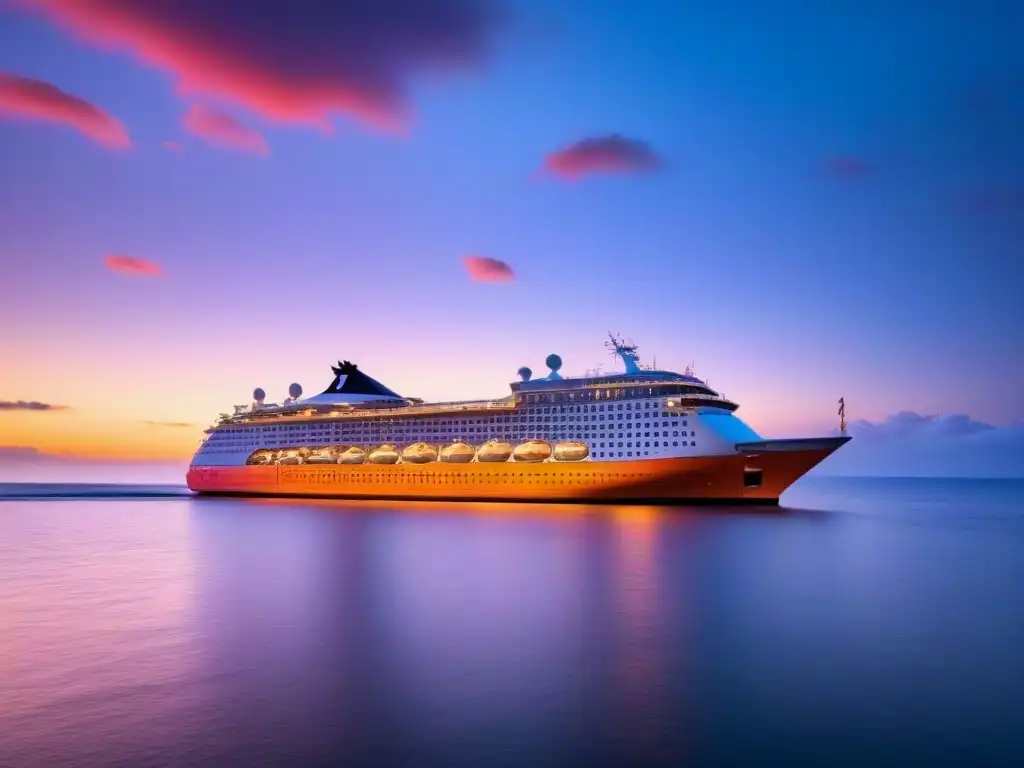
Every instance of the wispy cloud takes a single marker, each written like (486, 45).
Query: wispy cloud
(172, 424)
(297, 62)
(132, 265)
(487, 270)
(613, 153)
(25, 97)
(171, 146)
(220, 128)
(18, 453)
(30, 405)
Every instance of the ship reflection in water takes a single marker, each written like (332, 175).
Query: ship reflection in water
(264, 632)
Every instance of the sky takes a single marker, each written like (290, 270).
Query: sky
(807, 201)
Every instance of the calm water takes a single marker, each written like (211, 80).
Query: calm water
(867, 622)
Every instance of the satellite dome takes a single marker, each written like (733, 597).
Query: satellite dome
(259, 395)
(554, 362)
(295, 390)
(525, 373)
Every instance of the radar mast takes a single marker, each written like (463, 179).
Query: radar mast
(626, 350)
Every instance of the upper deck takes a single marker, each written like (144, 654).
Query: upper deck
(354, 395)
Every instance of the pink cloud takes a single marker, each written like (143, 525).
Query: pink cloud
(132, 265)
(171, 146)
(218, 127)
(38, 100)
(295, 61)
(487, 270)
(603, 154)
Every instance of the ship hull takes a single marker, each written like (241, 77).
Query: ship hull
(758, 473)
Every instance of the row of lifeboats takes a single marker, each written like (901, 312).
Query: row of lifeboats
(425, 453)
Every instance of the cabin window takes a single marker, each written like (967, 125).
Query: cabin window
(752, 478)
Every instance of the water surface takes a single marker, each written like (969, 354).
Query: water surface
(865, 622)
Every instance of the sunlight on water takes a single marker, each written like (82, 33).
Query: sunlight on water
(881, 620)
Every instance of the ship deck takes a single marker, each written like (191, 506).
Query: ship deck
(739, 478)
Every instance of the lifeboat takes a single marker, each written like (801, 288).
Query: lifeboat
(384, 454)
(532, 450)
(494, 450)
(457, 453)
(260, 457)
(419, 453)
(323, 456)
(353, 455)
(291, 456)
(572, 450)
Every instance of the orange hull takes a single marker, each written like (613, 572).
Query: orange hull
(759, 474)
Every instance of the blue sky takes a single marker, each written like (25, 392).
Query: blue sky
(839, 213)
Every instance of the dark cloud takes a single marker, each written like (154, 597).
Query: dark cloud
(27, 98)
(944, 445)
(487, 270)
(220, 128)
(20, 453)
(296, 61)
(132, 265)
(174, 424)
(603, 154)
(30, 405)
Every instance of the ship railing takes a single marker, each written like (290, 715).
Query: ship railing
(363, 413)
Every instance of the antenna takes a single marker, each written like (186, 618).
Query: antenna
(626, 350)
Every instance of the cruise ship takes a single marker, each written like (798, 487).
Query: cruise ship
(643, 435)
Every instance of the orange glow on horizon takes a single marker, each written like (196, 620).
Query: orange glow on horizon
(95, 437)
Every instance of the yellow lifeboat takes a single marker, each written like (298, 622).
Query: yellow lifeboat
(532, 450)
(419, 453)
(457, 453)
(323, 456)
(384, 454)
(494, 450)
(353, 455)
(291, 456)
(260, 457)
(572, 450)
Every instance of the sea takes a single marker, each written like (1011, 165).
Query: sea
(863, 622)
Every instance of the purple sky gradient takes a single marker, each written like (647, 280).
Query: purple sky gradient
(813, 232)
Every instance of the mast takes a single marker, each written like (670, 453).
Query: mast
(627, 351)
